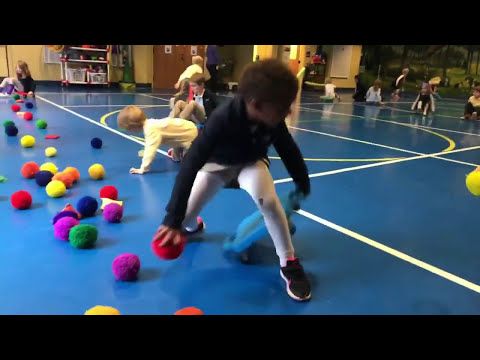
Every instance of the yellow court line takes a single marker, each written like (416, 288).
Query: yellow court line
(103, 119)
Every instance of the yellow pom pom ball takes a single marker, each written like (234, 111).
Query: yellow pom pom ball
(102, 310)
(96, 172)
(50, 151)
(473, 182)
(27, 141)
(55, 189)
(48, 166)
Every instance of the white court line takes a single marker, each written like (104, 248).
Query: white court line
(155, 97)
(413, 112)
(382, 247)
(92, 106)
(43, 93)
(383, 163)
(391, 251)
(381, 145)
(387, 121)
(347, 103)
(97, 123)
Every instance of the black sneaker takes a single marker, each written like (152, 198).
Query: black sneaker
(200, 227)
(298, 286)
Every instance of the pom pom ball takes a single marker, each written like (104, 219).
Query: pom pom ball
(113, 213)
(49, 167)
(473, 182)
(191, 310)
(16, 97)
(29, 105)
(41, 124)
(65, 213)
(11, 130)
(55, 189)
(102, 310)
(74, 172)
(15, 108)
(27, 141)
(83, 236)
(125, 267)
(64, 177)
(28, 116)
(61, 229)
(29, 169)
(21, 200)
(168, 252)
(8, 122)
(96, 143)
(43, 177)
(109, 192)
(50, 151)
(96, 172)
(87, 206)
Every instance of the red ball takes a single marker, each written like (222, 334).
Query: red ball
(191, 310)
(168, 252)
(21, 200)
(109, 192)
(28, 116)
(15, 108)
(29, 169)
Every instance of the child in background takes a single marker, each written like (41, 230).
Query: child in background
(398, 84)
(374, 96)
(424, 101)
(472, 108)
(196, 67)
(22, 83)
(177, 133)
(330, 93)
(201, 106)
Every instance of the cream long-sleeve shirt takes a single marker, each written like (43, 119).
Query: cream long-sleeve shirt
(172, 132)
(189, 71)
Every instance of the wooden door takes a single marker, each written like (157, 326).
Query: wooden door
(168, 65)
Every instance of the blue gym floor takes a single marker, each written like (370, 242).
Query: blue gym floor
(386, 230)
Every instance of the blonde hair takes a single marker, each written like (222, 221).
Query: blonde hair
(23, 66)
(183, 88)
(131, 118)
(197, 60)
(328, 81)
(377, 82)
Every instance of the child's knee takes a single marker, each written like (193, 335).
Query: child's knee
(268, 203)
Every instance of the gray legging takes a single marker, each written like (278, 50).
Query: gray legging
(257, 181)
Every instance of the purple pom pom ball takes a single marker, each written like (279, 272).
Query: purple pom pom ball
(62, 227)
(125, 267)
(63, 214)
(113, 213)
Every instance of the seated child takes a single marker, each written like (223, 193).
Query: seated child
(177, 133)
(472, 108)
(374, 96)
(330, 93)
(23, 82)
(424, 101)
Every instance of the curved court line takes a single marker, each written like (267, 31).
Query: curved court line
(391, 251)
(317, 219)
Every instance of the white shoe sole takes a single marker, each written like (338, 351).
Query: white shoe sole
(293, 296)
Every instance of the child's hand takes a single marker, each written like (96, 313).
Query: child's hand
(170, 236)
(136, 171)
